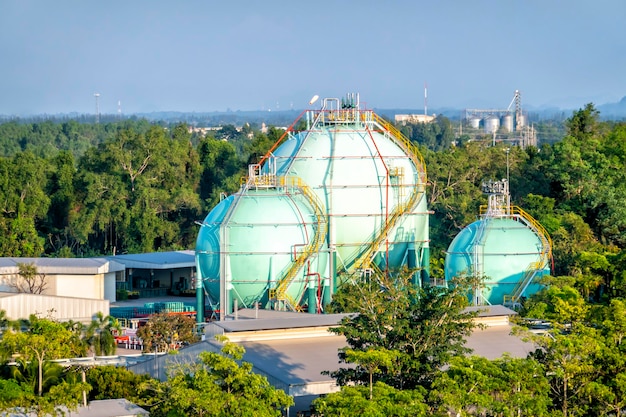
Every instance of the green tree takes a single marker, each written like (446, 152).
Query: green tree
(111, 382)
(570, 362)
(100, 334)
(371, 360)
(385, 401)
(23, 202)
(218, 385)
(425, 326)
(163, 332)
(28, 279)
(476, 386)
(45, 340)
(221, 169)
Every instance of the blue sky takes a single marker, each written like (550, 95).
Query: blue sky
(208, 55)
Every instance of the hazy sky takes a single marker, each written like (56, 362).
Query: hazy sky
(209, 55)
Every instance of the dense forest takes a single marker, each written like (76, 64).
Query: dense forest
(74, 189)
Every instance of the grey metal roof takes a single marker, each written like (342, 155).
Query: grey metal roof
(109, 408)
(62, 265)
(493, 342)
(157, 260)
(296, 361)
(275, 320)
(492, 310)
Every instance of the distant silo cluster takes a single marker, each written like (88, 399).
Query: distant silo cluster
(344, 196)
(502, 125)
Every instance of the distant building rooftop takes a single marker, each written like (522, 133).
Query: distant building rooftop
(157, 260)
(62, 265)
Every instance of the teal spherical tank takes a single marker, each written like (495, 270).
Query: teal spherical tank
(504, 251)
(260, 230)
(343, 195)
(362, 177)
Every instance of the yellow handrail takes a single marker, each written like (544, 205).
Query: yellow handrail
(366, 258)
(280, 292)
(535, 266)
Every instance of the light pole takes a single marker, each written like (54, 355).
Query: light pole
(507, 164)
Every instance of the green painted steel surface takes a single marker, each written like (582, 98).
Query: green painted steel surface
(359, 176)
(509, 248)
(259, 240)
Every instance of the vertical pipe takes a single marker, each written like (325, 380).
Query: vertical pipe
(330, 283)
(312, 296)
(199, 293)
(425, 264)
(226, 294)
(326, 297)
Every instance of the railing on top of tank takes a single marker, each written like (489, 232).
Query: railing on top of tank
(336, 115)
(519, 214)
(404, 143)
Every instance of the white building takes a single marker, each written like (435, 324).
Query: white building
(69, 288)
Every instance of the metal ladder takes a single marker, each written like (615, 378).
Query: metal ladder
(535, 267)
(279, 294)
(365, 260)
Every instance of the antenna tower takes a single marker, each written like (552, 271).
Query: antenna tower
(97, 96)
(425, 99)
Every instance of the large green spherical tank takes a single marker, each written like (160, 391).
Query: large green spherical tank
(258, 230)
(362, 177)
(343, 195)
(508, 249)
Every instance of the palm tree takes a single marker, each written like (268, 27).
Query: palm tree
(26, 372)
(79, 336)
(100, 334)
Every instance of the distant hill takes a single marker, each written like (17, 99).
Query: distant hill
(284, 118)
(612, 111)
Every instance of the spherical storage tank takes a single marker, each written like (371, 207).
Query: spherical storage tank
(345, 195)
(509, 251)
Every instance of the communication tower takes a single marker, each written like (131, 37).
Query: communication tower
(97, 96)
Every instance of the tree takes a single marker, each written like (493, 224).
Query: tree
(385, 401)
(163, 332)
(61, 398)
(45, 340)
(570, 362)
(424, 326)
(110, 382)
(23, 202)
(29, 280)
(100, 334)
(218, 385)
(504, 387)
(372, 360)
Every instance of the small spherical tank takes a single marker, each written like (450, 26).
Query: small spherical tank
(502, 250)
(251, 238)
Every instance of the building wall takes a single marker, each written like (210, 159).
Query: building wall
(109, 287)
(21, 306)
(84, 286)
